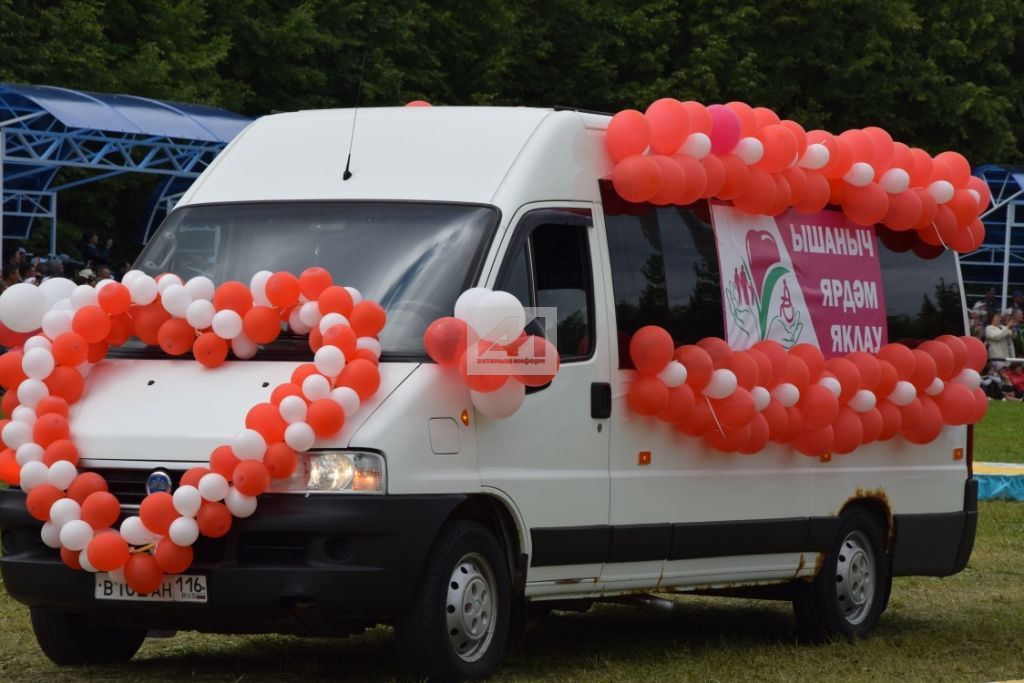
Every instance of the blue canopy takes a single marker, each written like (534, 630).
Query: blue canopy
(45, 128)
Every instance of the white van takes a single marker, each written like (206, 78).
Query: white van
(571, 499)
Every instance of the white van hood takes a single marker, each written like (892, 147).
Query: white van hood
(178, 411)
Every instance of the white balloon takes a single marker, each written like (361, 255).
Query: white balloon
(33, 474)
(135, 532)
(57, 288)
(860, 174)
(187, 501)
(199, 314)
(61, 474)
(243, 347)
(31, 392)
(832, 384)
(299, 436)
(65, 510)
(183, 531)
(38, 363)
(968, 377)
(370, 343)
(63, 305)
(309, 314)
(467, 300)
(239, 504)
(130, 276)
(50, 533)
(697, 145)
(82, 296)
(936, 387)
(761, 398)
(903, 394)
(722, 384)
(168, 280)
(83, 559)
(295, 321)
(815, 156)
(56, 323)
(258, 287)
(24, 414)
(143, 290)
(941, 190)
(329, 360)
(316, 387)
(895, 180)
(22, 307)
(100, 284)
(332, 319)
(30, 452)
(249, 444)
(863, 401)
(37, 342)
(176, 300)
(750, 150)
(213, 486)
(356, 295)
(201, 287)
(347, 398)
(497, 316)
(227, 324)
(501, 403)
(75, 535)
(786, 394)
(673, 375)
(16, 434)
(293, 409)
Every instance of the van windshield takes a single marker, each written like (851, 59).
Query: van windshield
(412, 258)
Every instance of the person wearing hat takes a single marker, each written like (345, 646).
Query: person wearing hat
(999, 342)
(86, 276)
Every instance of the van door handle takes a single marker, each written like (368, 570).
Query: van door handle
(600, 400)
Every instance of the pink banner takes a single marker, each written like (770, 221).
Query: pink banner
(798, 279)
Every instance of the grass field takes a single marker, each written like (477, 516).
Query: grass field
(969, 627)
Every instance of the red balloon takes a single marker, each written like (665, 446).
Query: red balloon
(698, 363)
(745, 368)
(100, 509)
(694, 181)
(92, 323)
(223, 461)
(796, 373)
(629, 133)
(146, 321)
(900, 357)
(815, 442)
(737, 176)
(760, 194)
(714, 171)
(867, 367)
(107, 551)
(796, 178)
(816, 194)
(959, 349)
(882, 146)
(718, 349)
(173, 558)
(10, 470)
(956, 403)
(799, 134)
(794, 425)
(233, 296)
(286, 389)
(887, 378)
(367, 318)
(647, 395)
(700, 119)
(11, 374)
(904, 210)
(818, 406)
(262, 324)
(40, 499)
(345, 339)
(928, 426)
(848, 431)
(445, 340)
(282, 290)
(157, 512)
(977, 355)
(637, 178)
(66, 383)
(911, 416)
(735, 411)
(176, 337)
(765, 117)
(314, 281)
(669, 125)
(892, 420)
(142, 573)
(777, 420)
(730, 441)
(871, 425)
(266, 419)
(364, 377)
(699, 422)
(114, 298)
(120, 330)
(651, 349)
(942, 356)
(300, 373)
(251, 477)
(192, 475)
(680, 403)
(959, 167)
(325, 417)
(535, 347)
(747, 118)
(49, 428)
(812, 356)
(780, 147)
(980, 406)
(214, 519)
(335, 299)
(777, 356)
(70, 348)
(84, 485)
(70, 558)
(758, 438)
(9, 402)
(925, 370)
(280, 460)
(210, 350)
(866, 205)
(848, 376)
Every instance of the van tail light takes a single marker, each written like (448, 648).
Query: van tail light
(970, 450)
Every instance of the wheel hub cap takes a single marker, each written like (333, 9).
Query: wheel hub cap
(470, 607)
(855, 577)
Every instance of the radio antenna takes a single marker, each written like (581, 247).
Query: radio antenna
(355, 114)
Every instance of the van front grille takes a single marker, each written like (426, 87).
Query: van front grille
(130, 485)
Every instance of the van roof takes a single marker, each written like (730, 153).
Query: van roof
(461, 154)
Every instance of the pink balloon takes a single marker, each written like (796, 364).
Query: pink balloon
(725, 129)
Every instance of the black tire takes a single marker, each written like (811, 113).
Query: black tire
(848, 596)
(70, 639)
(440, 620)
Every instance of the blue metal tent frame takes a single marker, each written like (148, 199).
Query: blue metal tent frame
(44, 129)
(999, 262)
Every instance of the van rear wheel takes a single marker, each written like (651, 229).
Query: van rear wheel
(458, 624)
(69, 639)
(848, 596)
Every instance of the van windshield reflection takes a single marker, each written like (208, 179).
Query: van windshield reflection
(412, 258)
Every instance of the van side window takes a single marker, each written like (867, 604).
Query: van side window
(548, 265)
(664, 272)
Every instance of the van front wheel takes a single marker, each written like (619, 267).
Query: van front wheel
(457, 625)
(848, 596)
(69, 639)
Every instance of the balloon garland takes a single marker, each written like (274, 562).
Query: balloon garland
(78, 324)
(486, 318)
(679, 152)
(738, 401)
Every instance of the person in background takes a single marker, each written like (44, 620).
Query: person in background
(995, 386)
(987, 304)
(29, 274)
(1016, 378)
(91, 252)
(11, 275)
(54, 268)
(103, 273)
(86, 276)
(998, 339)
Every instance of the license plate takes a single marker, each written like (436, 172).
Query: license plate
(177, 588)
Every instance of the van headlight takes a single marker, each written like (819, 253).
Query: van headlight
(335, 472)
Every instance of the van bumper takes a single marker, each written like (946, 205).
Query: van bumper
(318, 565)
(936, 544)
